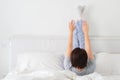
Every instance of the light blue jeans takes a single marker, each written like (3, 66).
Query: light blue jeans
(78, 36)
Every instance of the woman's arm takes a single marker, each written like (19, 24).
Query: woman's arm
(70, 38)
(87, 41)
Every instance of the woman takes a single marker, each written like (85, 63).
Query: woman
(79, 60)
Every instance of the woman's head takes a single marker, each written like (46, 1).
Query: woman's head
(79, 58)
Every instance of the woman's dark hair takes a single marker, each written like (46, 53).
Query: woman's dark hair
(79, 58)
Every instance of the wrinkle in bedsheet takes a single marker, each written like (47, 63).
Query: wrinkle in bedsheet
(47, 75)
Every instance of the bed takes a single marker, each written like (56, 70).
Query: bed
(37, 56)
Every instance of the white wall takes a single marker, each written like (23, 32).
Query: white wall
(51, 17)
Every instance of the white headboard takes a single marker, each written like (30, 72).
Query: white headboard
(58, 44)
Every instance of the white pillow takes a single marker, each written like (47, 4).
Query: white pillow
(22, 62)
(39, 61)
(108, 63)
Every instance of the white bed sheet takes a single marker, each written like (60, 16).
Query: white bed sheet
(48, 75)
(112, 77)
(28, 77)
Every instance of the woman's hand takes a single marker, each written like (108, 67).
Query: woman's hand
(72, 25)
(85, 27)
